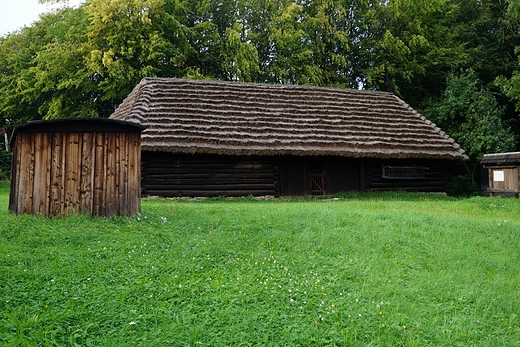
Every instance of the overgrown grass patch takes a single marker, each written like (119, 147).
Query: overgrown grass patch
(363, 270)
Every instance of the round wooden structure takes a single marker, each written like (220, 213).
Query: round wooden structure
(71, 165)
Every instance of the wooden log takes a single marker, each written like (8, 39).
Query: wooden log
(210, 187)
(41, 196)
(99, 174)
(87, 172)
(72, 172)
(27, 179)
(57, 174)
(110, 177)
(213, 181)
(205, 193)
(134, 176)
(122, 174)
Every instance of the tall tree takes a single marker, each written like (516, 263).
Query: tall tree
(59, 69)
(470, 114)
(126, 42)
(423, 42)
(511, 86)
(43, 70)
(240, 57)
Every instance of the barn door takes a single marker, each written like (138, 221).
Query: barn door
(317, 179)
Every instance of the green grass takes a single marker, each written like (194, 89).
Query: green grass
(365, 270)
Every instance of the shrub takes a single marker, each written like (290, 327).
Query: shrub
(461, 186)
(5, 165)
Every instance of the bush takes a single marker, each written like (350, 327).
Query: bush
(462, 187)
(5, 165)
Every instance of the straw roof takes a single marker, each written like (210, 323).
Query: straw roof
(194, 116)
(501, 158)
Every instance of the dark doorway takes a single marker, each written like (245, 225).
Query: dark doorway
(317, 179)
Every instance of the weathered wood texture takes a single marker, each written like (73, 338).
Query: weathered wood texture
(503, 173)
(435, 179)
(55, 173)
(169, 175)
(304, 176)
(174, 175)
(504, 181)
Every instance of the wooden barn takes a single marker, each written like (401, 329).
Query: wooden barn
(209, 138)
(76, 165)
(503, 173)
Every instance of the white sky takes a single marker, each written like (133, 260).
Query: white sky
(15, 14)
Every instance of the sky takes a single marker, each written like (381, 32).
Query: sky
(15, 14)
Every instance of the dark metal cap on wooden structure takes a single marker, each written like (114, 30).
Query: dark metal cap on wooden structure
(74, 165)
(509, 158)
(191, 116)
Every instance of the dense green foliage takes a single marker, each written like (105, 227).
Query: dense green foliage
(5, 165)
(84, 61)
(472, 116)
(366, 269)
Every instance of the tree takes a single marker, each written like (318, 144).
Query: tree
(511, 86)
(59, 70)
(421, 43)
(126, 43)
(40, 65)
(470, 114)
(240, 57)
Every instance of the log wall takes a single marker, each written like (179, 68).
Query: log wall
(56, 173)
(436, 175)
(298, 175)
(170, 175)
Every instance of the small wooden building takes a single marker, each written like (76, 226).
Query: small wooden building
(503, 173)
(211, 138)
(73, 165)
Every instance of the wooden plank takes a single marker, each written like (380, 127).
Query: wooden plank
(210, 180)
(47, 156)
(496, 190)
(134, 176)
(512, 179)
(518, 180)
(153, 166)
(122, 177)
(37, 186)
(209, 174)
(490, 180)
(28, 172)
(99, 174)
(111, 169)
(209, 187)
(41, 196)
(57, 175)
(72, 172)
(205, 193)
(87, 172)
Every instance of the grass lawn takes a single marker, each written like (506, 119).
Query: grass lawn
(365, 270)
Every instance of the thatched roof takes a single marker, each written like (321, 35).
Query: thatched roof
(193, 116)
(501, 158)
